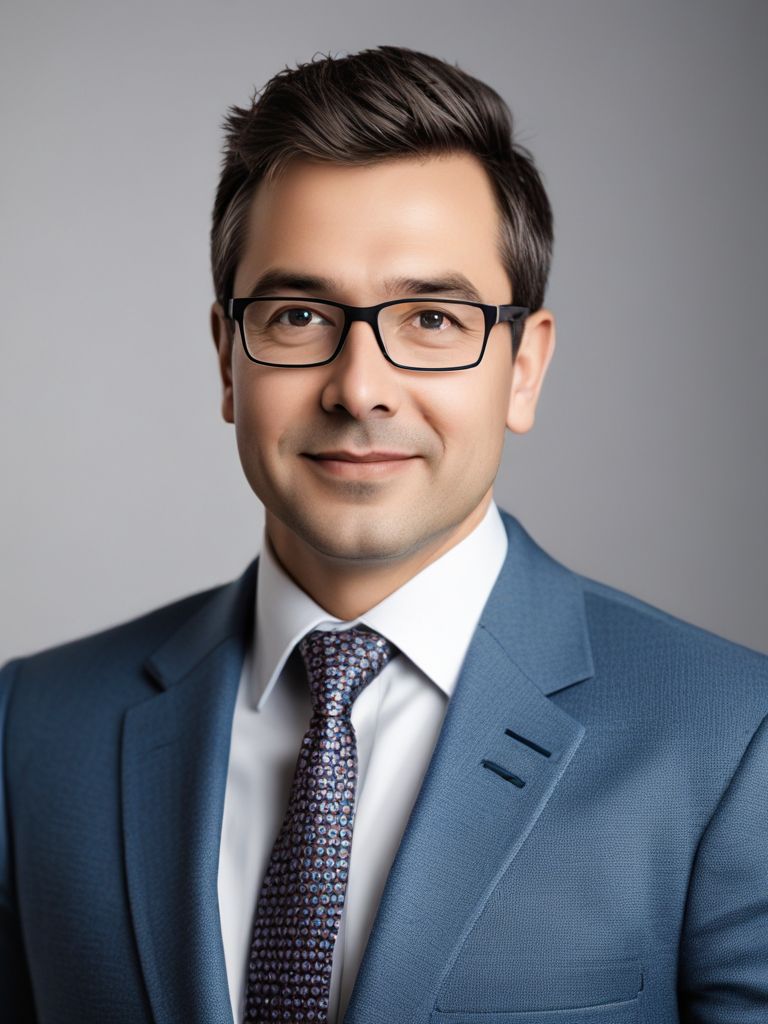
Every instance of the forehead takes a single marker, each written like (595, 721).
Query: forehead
(403, 216)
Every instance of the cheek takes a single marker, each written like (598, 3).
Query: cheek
(265, 404)
(469, 414)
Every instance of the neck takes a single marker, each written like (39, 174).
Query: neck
(347, 590)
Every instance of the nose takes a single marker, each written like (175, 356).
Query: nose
(360, 381)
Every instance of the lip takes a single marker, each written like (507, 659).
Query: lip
(341, 456)
(361, 465)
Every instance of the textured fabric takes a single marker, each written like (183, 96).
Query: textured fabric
(590, 841)
(397, 720)
(302, 896)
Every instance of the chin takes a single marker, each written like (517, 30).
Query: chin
(364, 546)
(362, 536)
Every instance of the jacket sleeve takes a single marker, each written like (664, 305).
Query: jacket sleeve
(723, 970)
(16, 1000)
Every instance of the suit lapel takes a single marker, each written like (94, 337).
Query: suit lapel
(502, 750)
(175, 752)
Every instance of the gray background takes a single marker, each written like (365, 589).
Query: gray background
(122, 488)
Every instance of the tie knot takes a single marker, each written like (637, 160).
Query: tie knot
(340, 665)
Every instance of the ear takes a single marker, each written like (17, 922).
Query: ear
(537, 346)
(223, 331)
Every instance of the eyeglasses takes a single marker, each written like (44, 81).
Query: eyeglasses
(413, 334)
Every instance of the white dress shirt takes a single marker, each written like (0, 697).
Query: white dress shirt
(396, 718)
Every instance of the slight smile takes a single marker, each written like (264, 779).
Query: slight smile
(355, 465)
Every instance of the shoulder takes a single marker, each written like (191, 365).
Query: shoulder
(622, 619)
(677, 683)
(118, 650)
(648, 654)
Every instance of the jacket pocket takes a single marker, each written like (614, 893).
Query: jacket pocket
(539, 993)
(626, 1012)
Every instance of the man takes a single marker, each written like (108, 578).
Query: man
(407, 767)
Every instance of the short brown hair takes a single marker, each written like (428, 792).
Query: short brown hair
(379, 103)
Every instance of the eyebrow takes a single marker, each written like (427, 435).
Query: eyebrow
(450, 283)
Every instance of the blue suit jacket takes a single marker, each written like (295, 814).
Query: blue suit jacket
(589, 845)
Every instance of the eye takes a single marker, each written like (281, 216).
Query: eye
(299, 316)
(435, 320)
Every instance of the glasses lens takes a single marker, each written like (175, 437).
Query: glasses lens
(291, 331)
(431, 334)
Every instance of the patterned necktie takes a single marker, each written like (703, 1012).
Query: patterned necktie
(302, 895)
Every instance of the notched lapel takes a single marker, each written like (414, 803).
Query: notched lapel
(502, 750)
(175, 752)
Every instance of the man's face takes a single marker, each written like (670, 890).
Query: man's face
(411, 218)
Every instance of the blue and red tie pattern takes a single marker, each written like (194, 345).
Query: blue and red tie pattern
(302, 894)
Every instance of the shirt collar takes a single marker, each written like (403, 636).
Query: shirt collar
(430, 618)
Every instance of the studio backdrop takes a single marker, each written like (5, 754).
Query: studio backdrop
(647, 466)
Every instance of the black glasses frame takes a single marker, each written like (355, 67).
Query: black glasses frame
(370, 315)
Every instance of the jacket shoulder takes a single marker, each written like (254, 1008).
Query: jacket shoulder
(123, 642)
(692, 655)
(635, 632)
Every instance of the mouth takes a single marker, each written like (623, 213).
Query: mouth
(342, 456)
(356, 465)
